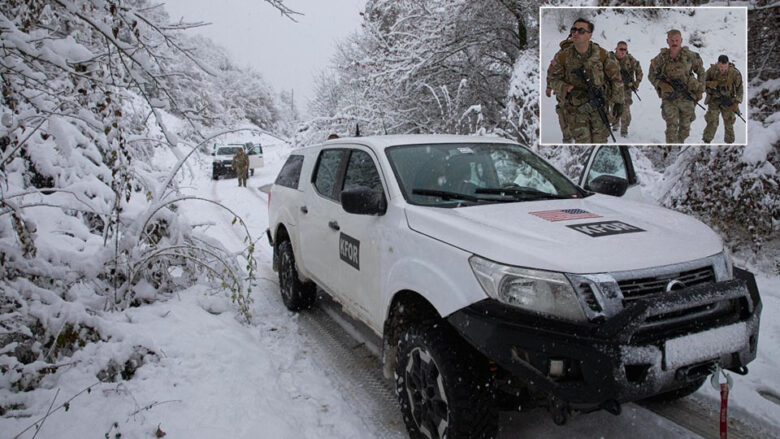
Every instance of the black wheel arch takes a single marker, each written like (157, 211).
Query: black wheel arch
(280, 235)
(407, 308)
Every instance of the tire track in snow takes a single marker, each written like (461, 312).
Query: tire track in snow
(692, 414)
(357, 372)
(354, 370)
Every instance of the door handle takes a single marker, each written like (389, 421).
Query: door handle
(304, 209)
(334, 225)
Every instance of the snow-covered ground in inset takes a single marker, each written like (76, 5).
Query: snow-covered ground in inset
(216, 377)
(709, 31)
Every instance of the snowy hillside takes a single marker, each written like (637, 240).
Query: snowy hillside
(708, 31)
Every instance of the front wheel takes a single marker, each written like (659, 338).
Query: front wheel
(443, 385)
(296, 295)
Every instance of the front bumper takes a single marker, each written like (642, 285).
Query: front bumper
(219, 168)
(648, 348)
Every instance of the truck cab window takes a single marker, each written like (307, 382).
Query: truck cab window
(327, 172)
(362, 172)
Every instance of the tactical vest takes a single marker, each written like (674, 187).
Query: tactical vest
(594, 67)
(627, 63)
(728, 81)
(680, 67)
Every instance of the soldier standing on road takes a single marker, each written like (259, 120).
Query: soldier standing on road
(631, 72)
(724, 94)
(241, 166)
(583, 120)
(677, 64)
(567, 138)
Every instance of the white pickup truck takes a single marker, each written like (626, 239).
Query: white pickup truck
(222, 163)
(495, 282)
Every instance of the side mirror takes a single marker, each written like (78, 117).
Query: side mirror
(361, 200)
(608, 185)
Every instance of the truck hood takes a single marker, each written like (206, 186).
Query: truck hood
(621, 235)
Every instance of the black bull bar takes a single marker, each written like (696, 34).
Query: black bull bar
(623, 358)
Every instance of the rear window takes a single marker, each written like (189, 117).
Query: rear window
(291, 172)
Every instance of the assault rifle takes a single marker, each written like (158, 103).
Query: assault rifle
(595, 99)
(725, 101)
(679, 89)
(626, 79)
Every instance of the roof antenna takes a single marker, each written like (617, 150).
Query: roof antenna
(357, 130)
(384, 127)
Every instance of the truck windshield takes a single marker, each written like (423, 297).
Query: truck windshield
(453, 175)
(228, 150)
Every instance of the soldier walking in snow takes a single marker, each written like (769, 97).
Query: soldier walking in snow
(580, 74)
(567, 138)
(672, 74)
(631, 73)
(241, 166)
(724, 94)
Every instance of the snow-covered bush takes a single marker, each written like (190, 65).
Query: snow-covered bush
(88, 216)
(735, 190)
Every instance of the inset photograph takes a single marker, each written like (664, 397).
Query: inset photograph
(643, 75)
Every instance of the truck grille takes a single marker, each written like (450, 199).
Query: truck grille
(633, 289)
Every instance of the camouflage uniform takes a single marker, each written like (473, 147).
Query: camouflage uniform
(567, 137)
(241, 166)
(630, 65)
(678, 112)
(584, 122)
(730, 85)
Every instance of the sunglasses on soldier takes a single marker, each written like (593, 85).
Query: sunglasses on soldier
(580, 30)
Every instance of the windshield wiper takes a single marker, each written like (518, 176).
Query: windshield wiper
(523, 193)
(446, 196)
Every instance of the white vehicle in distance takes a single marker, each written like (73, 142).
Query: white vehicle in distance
(494, 282)
(222, 163)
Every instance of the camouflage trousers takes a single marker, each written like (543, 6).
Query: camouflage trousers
(241, 173)
(562, 122)
(678, 115)
(585, 127)
(729, 117)
(625, 117)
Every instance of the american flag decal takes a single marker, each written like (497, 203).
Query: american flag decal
(564, 214)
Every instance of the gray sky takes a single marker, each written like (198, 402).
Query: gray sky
(286, 53)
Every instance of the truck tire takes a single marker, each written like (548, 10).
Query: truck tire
(296, 295)
(214, 176)
(443, 386)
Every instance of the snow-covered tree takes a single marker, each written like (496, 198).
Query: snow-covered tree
(88, 222)
(289, 116)
(426, 66)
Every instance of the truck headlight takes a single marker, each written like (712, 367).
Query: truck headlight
(544, 292)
